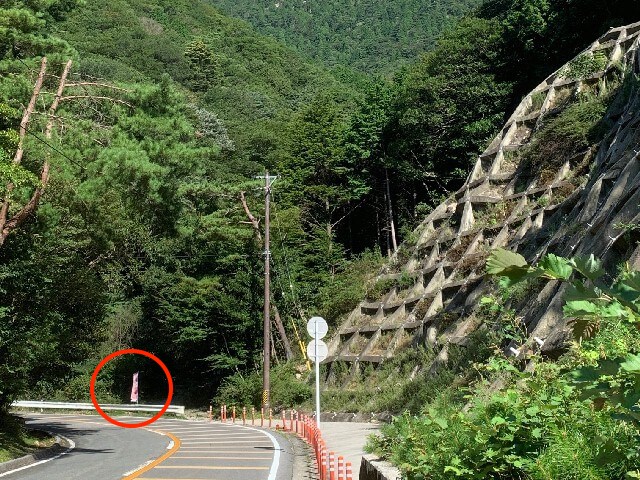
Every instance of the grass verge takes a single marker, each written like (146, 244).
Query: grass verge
(16, 440)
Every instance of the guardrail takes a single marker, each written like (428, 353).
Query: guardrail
(89, 406)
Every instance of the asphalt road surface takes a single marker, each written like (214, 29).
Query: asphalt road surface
(165, 450)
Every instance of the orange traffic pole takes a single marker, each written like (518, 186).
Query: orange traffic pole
(323, 463)
(253, 415)
(210, 413)
(349, 474)
(341, 471)
(233, 414)
(332, 466)
(244, 415)
(270, 417)
(262, 417)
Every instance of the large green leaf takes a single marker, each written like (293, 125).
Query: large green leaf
(556, 267)
(505, 263)
(626, 294)
(589, 266)
(632, 280)
(580, 308)
(579, 291)
(591, 374)
(631, 364)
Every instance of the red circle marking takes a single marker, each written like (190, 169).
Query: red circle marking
(92, 387)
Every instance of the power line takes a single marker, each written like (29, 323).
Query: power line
(286, 262)
(55, 149)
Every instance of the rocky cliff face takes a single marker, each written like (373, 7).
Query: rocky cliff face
(534, 190)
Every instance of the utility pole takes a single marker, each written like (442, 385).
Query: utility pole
(266, 352)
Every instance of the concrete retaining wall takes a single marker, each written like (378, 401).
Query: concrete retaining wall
(373, 468)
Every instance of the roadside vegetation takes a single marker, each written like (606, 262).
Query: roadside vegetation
(576, 418)
(16, 441)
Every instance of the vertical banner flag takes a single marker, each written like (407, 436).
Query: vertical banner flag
(134, 388)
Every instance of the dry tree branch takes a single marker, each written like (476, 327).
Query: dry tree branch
(24, 123)
(98, 97)
(96, 84)
(253, 220)
(30, 207)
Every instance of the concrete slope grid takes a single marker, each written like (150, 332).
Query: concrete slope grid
(577, 209)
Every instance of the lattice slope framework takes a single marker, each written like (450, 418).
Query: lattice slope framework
(580, 205)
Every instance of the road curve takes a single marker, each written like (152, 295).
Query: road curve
(102, 451)
(169, 449)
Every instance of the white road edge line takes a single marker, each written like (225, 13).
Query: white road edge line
(72, 445)
(137, 468)
(276, 452)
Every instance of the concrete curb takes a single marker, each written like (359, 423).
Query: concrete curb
(373, 468)
(61, 446)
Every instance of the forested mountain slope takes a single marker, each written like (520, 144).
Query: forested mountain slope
(251, 82)
(369, 35)
(170, 109)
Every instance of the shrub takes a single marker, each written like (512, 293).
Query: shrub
(515, 433)
(287, 390)
(585, 65)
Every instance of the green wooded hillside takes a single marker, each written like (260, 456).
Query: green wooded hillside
(250, 81)
(369, 35)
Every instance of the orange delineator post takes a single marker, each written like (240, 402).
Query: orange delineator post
(332, 466)
(348, 474)
(253, 415)
(262, 417)
(328, 467)
(244, 415)
(210, 413)
(323, 463)
(270, 417)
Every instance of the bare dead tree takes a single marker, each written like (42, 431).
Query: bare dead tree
(9, 223)
(17, 159)
(32, 204)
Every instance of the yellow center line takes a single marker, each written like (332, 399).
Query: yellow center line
(157, 461)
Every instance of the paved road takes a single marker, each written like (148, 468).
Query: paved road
(167, 450)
